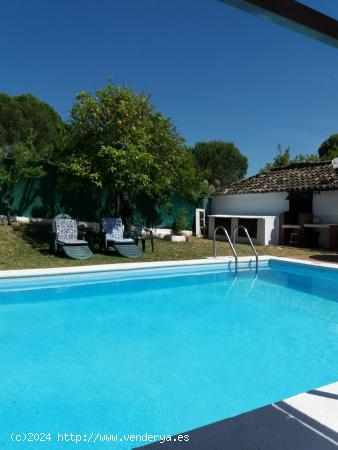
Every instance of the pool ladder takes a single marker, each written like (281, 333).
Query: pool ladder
(233, 244)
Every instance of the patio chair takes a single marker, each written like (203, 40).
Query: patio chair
(112, 236)
(294, 239)
(66, 238)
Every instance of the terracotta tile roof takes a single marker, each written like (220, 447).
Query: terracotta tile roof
(295, 177)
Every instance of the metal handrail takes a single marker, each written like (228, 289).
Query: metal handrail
(220, 227)
(249, 239)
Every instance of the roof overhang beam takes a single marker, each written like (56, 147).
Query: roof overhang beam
(294, 15)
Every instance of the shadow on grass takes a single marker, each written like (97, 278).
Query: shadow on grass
(44, 251)
(38, 236)
(331, 258)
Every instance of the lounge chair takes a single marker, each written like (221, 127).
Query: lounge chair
(112, 236)
(67, 238)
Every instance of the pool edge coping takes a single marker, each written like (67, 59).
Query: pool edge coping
(97, 268)
(14, 273)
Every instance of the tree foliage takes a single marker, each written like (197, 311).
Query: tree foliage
(220, 162)
(30, 134)
(329, 148)
(327, 151)
(117, 141)
(283, 158)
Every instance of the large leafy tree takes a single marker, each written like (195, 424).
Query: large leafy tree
(119, 142)
(329, 148)
(220, 162)
(30, 137)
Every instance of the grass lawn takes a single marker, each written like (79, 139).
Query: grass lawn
(27, 246)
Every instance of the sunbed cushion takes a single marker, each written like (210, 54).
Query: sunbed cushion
(72, 241)
(112, 227)
(66, 229)
(110, 237)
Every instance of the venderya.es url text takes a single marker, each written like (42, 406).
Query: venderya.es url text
(93, 438)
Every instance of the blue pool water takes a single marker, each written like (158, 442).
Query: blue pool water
(160, 351)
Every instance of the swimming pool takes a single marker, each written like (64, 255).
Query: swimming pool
(161, 350)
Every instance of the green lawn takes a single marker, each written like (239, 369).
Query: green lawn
(27, 246)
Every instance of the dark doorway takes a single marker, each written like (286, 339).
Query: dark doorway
(300, 202)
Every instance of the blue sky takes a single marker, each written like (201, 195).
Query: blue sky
(218, 72)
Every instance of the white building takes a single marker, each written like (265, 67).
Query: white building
(301, 198)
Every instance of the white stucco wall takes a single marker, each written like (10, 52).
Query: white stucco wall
(325, 210)
(267, 230)
(271, 230)
(325, 206)
(270, 203)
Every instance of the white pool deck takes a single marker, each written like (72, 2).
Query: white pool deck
(314, 414)
(320, 404)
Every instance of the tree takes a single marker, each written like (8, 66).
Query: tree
(306, 158)
(220, 162)
(118, 142)
(283, 158)
(329, 148)
(30, 136)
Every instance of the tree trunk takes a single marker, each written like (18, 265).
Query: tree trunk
(126, 211)
(9, 220)
(118, 204)
(7, 200)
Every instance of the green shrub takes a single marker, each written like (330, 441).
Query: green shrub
(180, 222)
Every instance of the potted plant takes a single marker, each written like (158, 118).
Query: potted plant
(179, 225)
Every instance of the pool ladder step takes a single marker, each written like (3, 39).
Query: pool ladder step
(233, 244)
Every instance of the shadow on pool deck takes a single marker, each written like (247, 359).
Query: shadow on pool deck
(274, 427)
(323, 394)
(325, 258)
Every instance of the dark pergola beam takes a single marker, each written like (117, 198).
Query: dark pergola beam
(294, 15)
